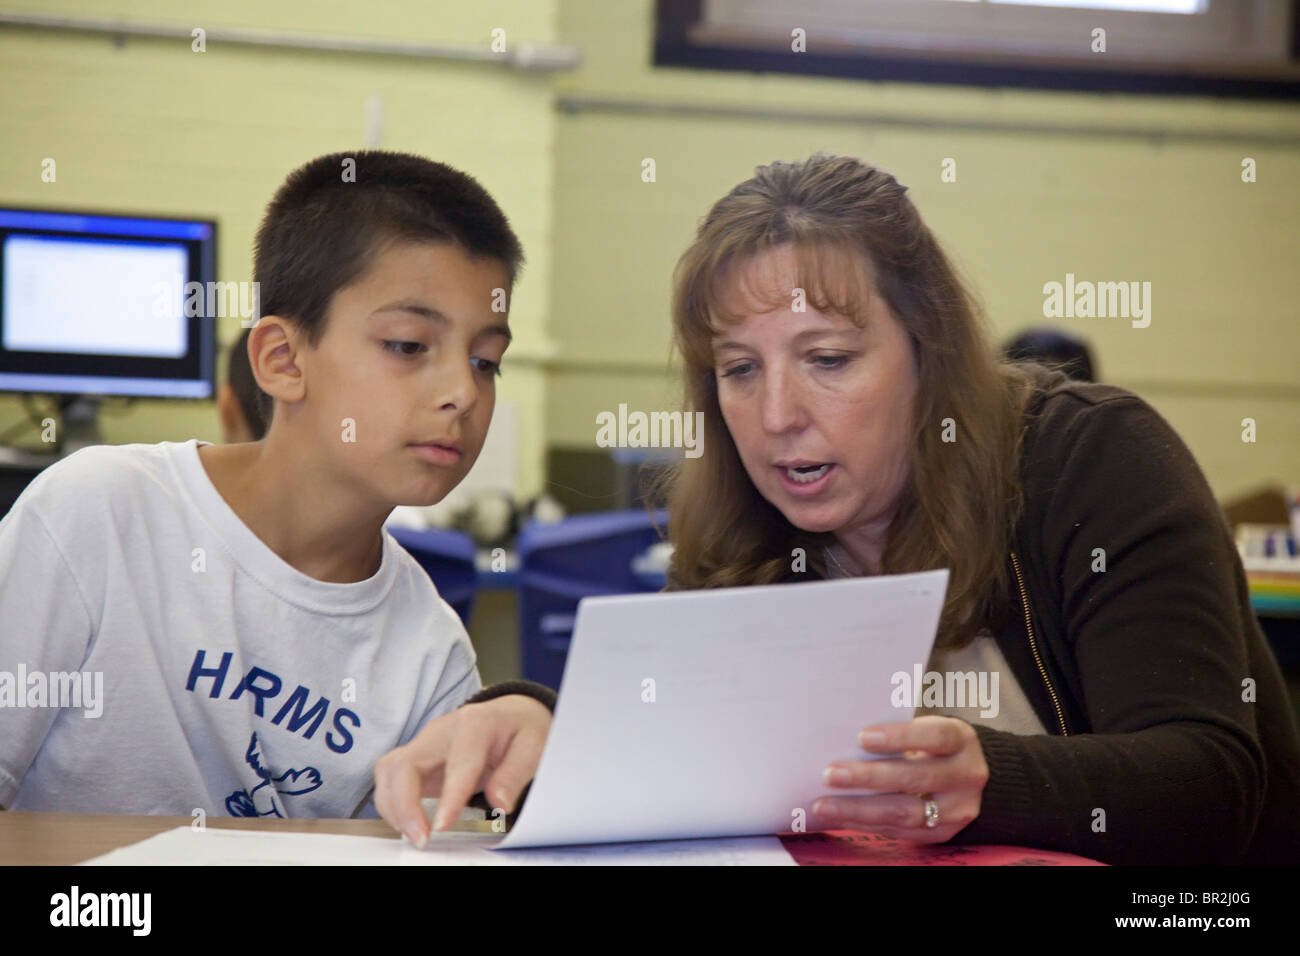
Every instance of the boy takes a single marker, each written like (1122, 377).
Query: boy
(260, 641)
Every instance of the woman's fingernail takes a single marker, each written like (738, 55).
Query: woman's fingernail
(417, 837)
(871, 739)
(837, 775)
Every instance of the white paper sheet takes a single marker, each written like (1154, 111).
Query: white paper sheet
(212, 846)
(714, 713)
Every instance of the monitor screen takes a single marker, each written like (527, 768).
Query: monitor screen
(109, 305)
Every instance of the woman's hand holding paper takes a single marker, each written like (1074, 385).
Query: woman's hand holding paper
(938, 757)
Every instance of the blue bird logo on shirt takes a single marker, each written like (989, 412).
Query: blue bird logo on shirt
(261, 800)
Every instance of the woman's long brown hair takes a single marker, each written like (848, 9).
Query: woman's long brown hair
(852, 227)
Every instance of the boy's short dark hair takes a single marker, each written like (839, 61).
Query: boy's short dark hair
(325, 224)
(242, 383)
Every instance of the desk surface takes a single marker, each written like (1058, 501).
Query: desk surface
(60, 839)
(63, 839)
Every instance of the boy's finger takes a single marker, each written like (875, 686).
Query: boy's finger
(464, 767)
(428, 748)
(406, 774)
(397, 798)
(514, 772)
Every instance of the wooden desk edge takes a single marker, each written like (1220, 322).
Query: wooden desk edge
(63, 839)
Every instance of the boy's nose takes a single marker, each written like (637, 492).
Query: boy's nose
(455, 388)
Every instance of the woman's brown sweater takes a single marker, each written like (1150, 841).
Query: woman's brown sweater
(1172, 739)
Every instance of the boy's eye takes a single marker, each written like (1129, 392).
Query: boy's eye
(405, 349)
(487, 366)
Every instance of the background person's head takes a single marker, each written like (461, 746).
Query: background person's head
(880, 290)
(239, 400)
(384, 289)
(1055, 349)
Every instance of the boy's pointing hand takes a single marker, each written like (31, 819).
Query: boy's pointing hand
(493, 746)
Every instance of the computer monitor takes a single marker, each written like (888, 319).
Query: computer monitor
(98, 305)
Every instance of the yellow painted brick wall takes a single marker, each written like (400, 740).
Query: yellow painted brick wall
(1027, 208)
(151, 127)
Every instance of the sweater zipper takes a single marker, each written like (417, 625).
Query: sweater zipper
(1033, 646)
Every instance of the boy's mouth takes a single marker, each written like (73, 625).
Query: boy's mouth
(439, 452)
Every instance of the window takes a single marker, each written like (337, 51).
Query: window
(1233, 47)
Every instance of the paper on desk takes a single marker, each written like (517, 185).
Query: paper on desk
(714, 713)
(213, 846)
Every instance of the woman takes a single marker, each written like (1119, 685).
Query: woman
(858, 422)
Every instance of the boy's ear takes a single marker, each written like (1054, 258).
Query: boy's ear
(273, 347)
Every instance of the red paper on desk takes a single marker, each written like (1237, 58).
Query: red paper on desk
(852, 848)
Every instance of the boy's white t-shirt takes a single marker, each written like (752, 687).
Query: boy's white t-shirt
(227, 680)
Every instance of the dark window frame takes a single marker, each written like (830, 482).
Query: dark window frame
(673, 47)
